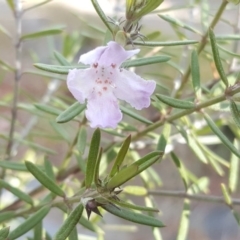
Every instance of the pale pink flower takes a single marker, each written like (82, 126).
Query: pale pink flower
(105, 81)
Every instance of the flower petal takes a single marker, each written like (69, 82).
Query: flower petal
(103, 111)
(134, 89)
(92, 56)
(115, 54)
(80, 83)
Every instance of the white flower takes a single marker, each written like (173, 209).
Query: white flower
(105, 81)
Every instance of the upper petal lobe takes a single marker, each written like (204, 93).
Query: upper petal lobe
(112, 54)
(92, 56)
(115, 54)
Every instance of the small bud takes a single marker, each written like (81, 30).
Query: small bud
(91, 205)
(120, 38)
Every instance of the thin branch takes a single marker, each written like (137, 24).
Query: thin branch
(17, 75)
(229, 92)
(36, 5)
(197, 197)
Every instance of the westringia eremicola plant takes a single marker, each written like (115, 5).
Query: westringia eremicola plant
(138, 94)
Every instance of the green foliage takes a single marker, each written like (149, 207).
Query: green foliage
(217, 59)
(44, 179)
(71, 112)
(43, 33)
(92, 158)
(29, 223)
(70, 223)
(133, 217)
(176, 103)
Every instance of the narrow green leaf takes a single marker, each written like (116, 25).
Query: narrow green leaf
(184, 222)
(132, 216)
(48, 109)
(61, 130)
(101, 14)
(229, 52)
(194, 145)
(134, 115)
(61, 59)
(6, 66)
(120, 156)
(49, 168)
(43, 33)
(179, 23)
(196, 75)
(44, 179)
(37, 5)
(216, 166)
(164, 44)
(133, 206)
(5, 216)
(217, 59)
(15, 191)
(89, 225)
(5, 31)
(47, 236)
(4, 233)
(92, 157)
(176, 103)
(82, 140)
(149, 159)
(221, 136)
(129, 63)
(81, 162)
(70, 223)
(235, 113)
(135, 11)
(30, 222)
(45, 74)
(71, 112)
(114, 133)
(36, 146)
(38, 231)
(135, 190)
(233, 179)
(11, 4)
(234, 1)
(57, 69)
(226, 195)
(181, 169)
(96, 171)
(83, 221)
(73, 235)
(162, 143)
(122, 176)
(228, 37)
(134, 169)
(13, 166)
(176, 67)
(150, 202)
(205, 14)
(145, 61)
